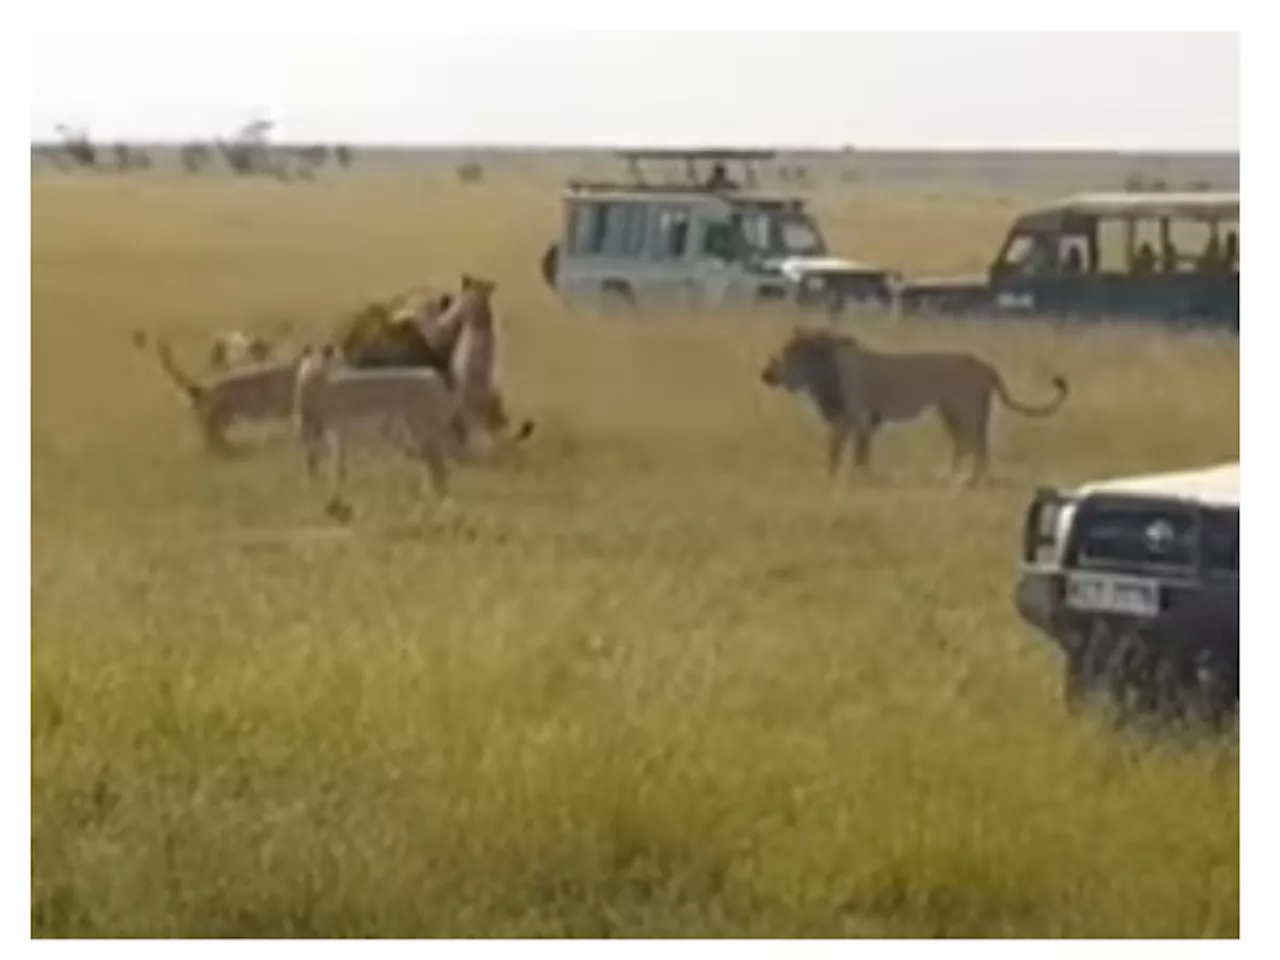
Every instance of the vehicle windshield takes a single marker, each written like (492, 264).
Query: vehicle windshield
(781, 234)
(798, 236)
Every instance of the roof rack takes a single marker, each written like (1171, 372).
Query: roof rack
(1208, 204)
(717, 156)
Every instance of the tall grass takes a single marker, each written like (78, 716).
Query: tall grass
(656, 679)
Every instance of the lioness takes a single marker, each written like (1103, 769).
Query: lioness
(413, 403)
(473, 361)
(238, 348)
(259, 393)
(856, 390)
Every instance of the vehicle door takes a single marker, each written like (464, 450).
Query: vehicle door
(718, 265)
(1049, 272)
(607, 249)
(670, 274)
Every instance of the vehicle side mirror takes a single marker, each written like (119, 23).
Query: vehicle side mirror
(1040, 524)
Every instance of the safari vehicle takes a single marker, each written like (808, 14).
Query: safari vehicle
(703, 241)
(1164, 256)
(1136, 580)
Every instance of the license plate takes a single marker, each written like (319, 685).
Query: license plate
(1103, 593)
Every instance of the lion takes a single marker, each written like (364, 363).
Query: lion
(414, 404)
(255, 394)
(857, 390)
(453, 335)
(400, 332)
(237, 348)
(473, 361)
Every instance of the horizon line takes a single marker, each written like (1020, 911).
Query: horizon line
(622, 147)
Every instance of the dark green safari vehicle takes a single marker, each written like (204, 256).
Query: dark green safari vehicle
(1169, 257)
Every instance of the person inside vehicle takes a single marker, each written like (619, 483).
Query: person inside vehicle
(1211, 257)
(719, 179)
(1073, 262)
(1169, 257)
(1144, 261)
(1231, 252)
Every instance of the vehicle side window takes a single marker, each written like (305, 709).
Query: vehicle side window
(1016, 251)
(627, 230)
(717, 241)
(588, 228)
(607, 229)
(670, 239)
(1073, 255)
(1028, 254)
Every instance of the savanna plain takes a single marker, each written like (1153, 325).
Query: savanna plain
(653, 678)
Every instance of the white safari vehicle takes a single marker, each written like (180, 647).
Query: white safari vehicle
(700, 241)
(1137, 581)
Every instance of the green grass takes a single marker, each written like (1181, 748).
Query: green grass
(655, 680)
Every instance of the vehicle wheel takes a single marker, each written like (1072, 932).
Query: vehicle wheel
(1174, 675)
(1078, 683)
(1130, 677)
(1085, 668)
(1218, 676)
(835, 305)
(1171, 696)
(617, 299)
(1202, 644)
(549, 265)
(933, 308)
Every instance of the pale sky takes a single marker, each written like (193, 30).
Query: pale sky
(1119, 91)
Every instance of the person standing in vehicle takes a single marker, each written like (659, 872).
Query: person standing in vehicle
(1231, 252)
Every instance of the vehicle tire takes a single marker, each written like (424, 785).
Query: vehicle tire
(1132, 677)
(769, 300)
(1077, 683)
(550, 264)
(1202, 643)
(1086, 670)
(838, 305)
(617, 298)
(933, 309)
(1219, 676)
(1181, 671)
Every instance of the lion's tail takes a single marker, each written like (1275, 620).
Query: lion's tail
(503, 422)
(524, 432)
(183, 381)
(1035, 410)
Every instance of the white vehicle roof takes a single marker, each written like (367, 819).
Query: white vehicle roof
(1214, 486)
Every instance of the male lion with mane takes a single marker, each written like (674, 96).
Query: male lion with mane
(856, 390)
(391, 335)
(455, 336)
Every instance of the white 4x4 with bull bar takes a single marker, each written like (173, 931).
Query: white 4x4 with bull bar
(1137, 581)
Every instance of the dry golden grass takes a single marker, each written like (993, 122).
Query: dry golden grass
(656, 680)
